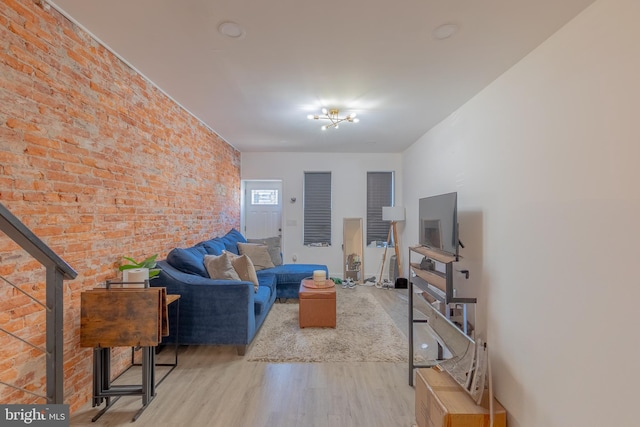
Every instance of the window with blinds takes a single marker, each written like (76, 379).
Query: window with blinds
(317, 208)
(379, 194)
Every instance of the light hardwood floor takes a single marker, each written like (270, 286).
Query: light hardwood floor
(213, 386)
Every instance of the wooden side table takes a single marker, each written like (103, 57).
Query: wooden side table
(124, 317)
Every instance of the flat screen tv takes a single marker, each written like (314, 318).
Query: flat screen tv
(438, 216)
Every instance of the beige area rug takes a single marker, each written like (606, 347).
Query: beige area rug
(364, 333)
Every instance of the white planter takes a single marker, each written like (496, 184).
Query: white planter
(137, 275)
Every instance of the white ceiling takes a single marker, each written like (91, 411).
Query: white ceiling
(377, 58)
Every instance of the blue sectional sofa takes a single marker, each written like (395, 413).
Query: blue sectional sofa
(228, 312)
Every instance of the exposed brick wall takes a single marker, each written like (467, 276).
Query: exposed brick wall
(99, 164)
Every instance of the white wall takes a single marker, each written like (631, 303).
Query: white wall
(349, 194)
(546, 164)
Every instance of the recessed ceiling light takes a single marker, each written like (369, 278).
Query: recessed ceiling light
(445, 31)
(231, 29)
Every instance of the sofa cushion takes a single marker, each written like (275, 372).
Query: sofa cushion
(189, 260)
(267, 279)
(213, 246)
(220, 267)
(231, 240)
(258, 253)
(294, 273)
(261, 300)
(273, 247)
(244, 267)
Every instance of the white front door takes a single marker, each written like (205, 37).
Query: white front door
(262, 209)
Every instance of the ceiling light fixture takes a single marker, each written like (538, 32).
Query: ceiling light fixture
(333, 115)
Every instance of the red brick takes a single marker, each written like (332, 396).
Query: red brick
(28, 36)
(78, 228)
(116, 174)
(32, 197)
(22, 125)
(24, 56)
(41, 141)
(35, 28)
(73, 35)
(23, 13)
(56, 175)
(56, 107)
(10, 158)
(77, 169)
(76, 57)
(15, 64)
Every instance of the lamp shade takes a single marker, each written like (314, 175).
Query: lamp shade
(393, 213)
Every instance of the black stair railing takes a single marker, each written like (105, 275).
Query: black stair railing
(57, 270)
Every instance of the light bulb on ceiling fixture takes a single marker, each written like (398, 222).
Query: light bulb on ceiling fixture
(333, 115)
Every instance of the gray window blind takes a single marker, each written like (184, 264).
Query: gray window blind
(379, 194)
(317, 208)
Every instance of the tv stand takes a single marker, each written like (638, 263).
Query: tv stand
(438, 285)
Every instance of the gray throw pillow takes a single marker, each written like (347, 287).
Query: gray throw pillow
(274, 247)
(258, 254)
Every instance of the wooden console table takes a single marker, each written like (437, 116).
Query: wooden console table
(124, 317)
(441, 402)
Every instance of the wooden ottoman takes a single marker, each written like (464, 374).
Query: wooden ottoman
(317, 305)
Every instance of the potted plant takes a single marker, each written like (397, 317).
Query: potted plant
(148, 263)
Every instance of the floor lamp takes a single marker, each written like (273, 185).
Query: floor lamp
(393, 214)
